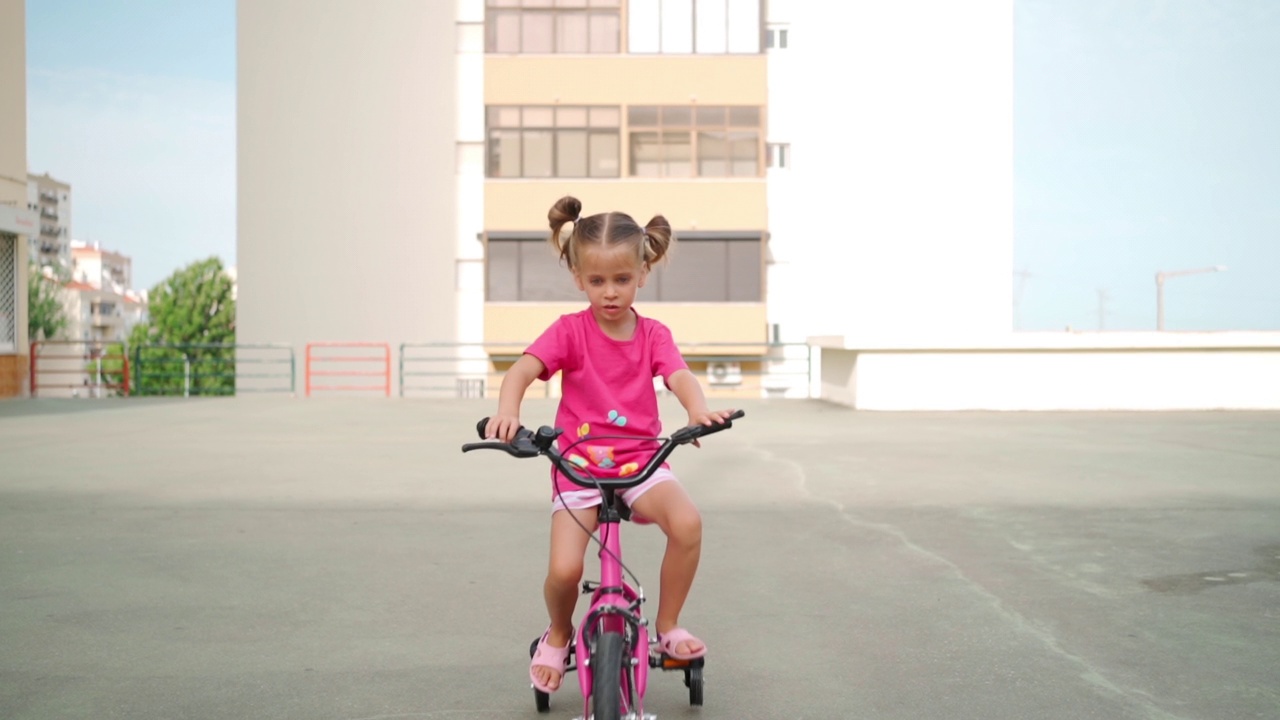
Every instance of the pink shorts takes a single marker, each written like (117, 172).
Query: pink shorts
(584, 498)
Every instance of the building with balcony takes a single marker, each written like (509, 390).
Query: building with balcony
(101, 309)
(98, 315)
(414, 175)
(641, 106)
(51, 200)
(104, 269)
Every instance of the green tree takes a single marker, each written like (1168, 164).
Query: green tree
(46, 316)
(112, 358)
(192, 307)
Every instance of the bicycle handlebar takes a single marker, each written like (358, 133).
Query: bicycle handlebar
(527, 444)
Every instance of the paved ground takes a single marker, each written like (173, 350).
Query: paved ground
(339, 559)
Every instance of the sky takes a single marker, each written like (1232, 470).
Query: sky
(1145, 139)
(133, 104)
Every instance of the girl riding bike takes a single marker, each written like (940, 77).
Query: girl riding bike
(608, 355)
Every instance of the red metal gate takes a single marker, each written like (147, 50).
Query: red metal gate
(350, 364)
(83, 365)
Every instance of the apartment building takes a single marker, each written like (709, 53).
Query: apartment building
(98, 316)
(17, 222)
(105, 269)
(101, 309)
(829, 169)
(641, 106)
(51, 200)
(100, 301)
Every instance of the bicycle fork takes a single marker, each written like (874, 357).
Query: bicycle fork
(615, 608)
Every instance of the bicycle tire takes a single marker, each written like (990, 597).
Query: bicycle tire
(541, 700)
(606, 677)
(693, 679)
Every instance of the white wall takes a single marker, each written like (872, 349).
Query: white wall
(346, 153)
(1061, 371)
(13, 176)
(897, 215)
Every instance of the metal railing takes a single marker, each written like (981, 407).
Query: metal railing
(203, 369)
(100, 369)
(425, 370)
(470, 370)
(352, 365)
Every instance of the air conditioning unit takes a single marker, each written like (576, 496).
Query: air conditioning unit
(724, 373)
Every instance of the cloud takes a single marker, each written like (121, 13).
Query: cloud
(150, 160)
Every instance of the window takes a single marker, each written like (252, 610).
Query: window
(527, 269)
(693, 26)
(536, 141)
(553, 26)
(775, 38)
(702, 141)
(779, 155)
(709, 268)
(705, 268)
(8, 292)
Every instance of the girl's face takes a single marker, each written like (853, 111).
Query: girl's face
(610, 277)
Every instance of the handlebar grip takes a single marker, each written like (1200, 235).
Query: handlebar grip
(693, 432)
(491, 445)
(484, 423)
(521, 446)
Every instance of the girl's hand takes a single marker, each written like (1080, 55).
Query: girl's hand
(708, 418)
(502, 426)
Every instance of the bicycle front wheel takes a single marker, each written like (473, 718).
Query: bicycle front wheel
(606, 677)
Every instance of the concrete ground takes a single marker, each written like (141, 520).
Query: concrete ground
(340, 559)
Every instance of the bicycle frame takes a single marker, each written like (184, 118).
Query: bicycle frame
(615, 607)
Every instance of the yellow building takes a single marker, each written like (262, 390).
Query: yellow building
(645, 107)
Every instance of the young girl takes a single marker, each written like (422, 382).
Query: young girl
(609, 355)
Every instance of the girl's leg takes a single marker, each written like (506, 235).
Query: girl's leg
(564, 572)
(670, 508)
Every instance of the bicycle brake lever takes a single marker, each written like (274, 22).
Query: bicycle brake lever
(521, 446)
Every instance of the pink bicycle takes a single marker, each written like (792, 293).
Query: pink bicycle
(614, 635)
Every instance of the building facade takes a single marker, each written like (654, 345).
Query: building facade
(641, 106)
(828, 169)
(17, 222)
(101, 304)
(346, 190)
(51, 200)
(104, 269)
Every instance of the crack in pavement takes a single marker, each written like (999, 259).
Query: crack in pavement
(1089, 673)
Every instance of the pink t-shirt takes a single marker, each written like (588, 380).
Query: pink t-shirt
(607, 389)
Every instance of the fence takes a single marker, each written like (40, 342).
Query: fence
(352, 365)
(472, 370)
(425, 370)
(212, 369)
(99, 369)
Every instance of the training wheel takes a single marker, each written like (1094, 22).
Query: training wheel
(693, 681)
(541, 700)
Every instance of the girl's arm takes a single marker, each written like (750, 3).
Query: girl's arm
(503, 426)
(689, 391)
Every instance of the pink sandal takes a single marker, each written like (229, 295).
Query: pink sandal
(668, 641)
(551, 657)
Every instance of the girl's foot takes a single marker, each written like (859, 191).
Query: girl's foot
(547, 667)
(681, 645)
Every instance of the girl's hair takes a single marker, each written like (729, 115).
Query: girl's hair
(607, 230)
